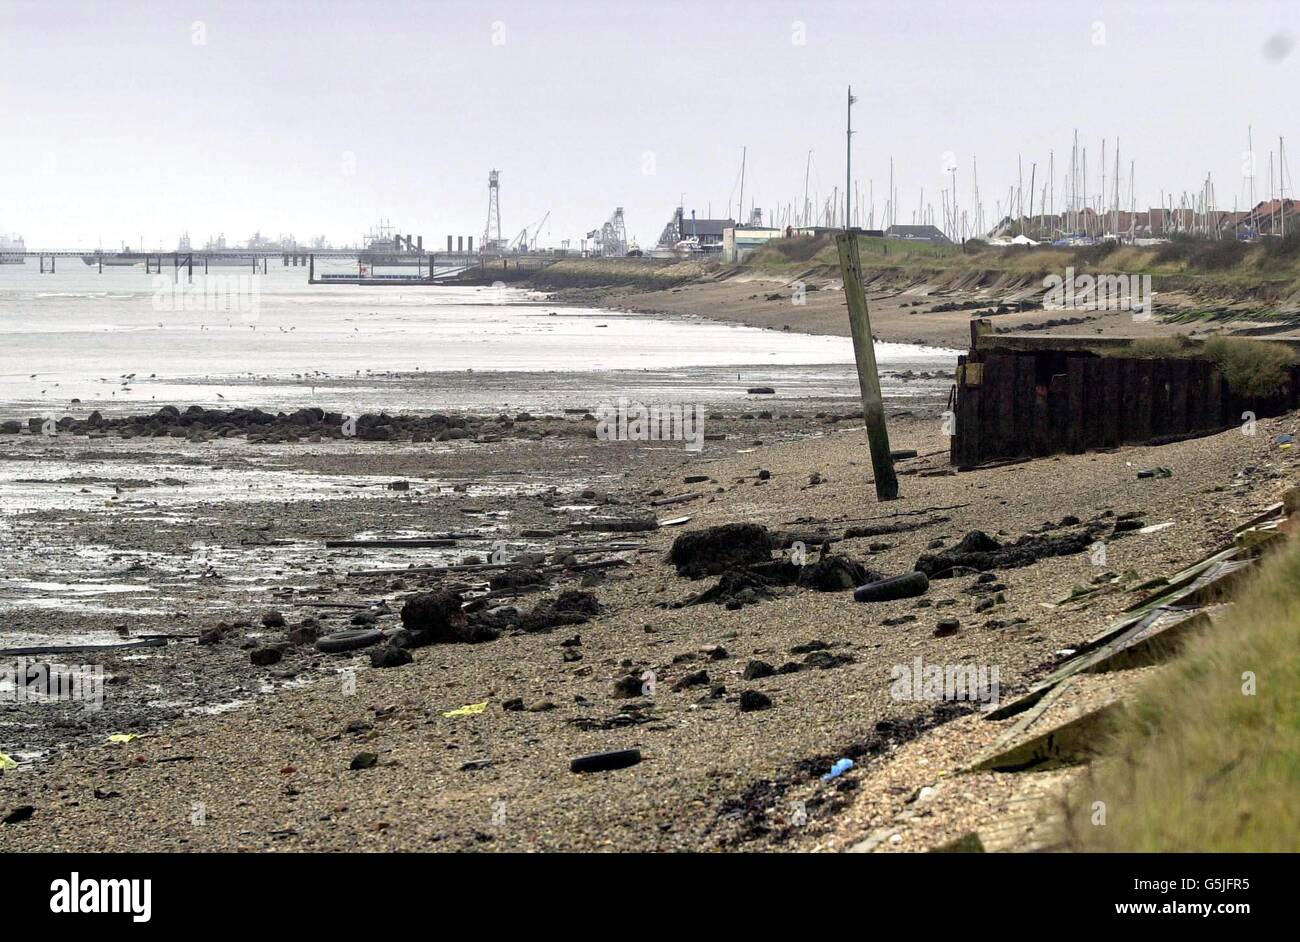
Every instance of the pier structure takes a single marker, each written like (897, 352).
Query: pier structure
(461, 255)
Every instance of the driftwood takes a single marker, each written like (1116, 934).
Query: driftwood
(414, 543)
(598, 548)
(679, 499)
(884, 529)
(902, 513)
(82, 648)
(481, 567)
(363, 606)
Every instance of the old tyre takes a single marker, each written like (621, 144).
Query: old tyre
(606, 761)
(349, 640)
(905, 586)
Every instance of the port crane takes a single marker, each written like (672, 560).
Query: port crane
(521, 242)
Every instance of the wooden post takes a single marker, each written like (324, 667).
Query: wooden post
(873, 408)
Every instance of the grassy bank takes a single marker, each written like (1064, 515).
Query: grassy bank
(643, 274)
(1202, 763)
(1266, 272)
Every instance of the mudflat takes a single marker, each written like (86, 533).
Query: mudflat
(468, 746)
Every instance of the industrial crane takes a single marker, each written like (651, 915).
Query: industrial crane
(521, 242)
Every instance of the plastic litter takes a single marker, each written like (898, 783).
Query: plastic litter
(469, 709)
(839, 768)
(7, 762)
(1157, 527)
(122, 737)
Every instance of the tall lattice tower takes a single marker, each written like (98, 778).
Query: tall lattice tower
(492, 234)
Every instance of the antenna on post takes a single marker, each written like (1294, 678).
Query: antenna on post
(848, 163)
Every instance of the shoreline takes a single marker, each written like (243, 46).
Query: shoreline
(437, 777)
(241, 536)
(926, 309)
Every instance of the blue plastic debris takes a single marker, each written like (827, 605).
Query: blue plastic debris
(839, 768)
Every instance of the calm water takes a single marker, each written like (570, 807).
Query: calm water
(274, 341)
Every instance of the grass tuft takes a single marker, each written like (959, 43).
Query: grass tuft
(1153, 348)
(1251, 367)
(1200, 763)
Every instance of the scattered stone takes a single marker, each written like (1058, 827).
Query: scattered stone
(439, 616)
(629, 685)
(389, 655)
(18, 814)
(946, 627)
(714, 550)
(213, 635)
(304, 634)
(979, 552)
(697, 679)
(572, 607)
(273, 620)
(266, 655)
(835, 573)
(825, 660)
(755, 670)
(515, 578)
(751, 700)
(741, 587)
(809, 646)
(363, 760)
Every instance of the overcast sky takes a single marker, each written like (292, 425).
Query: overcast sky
(125, 119)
